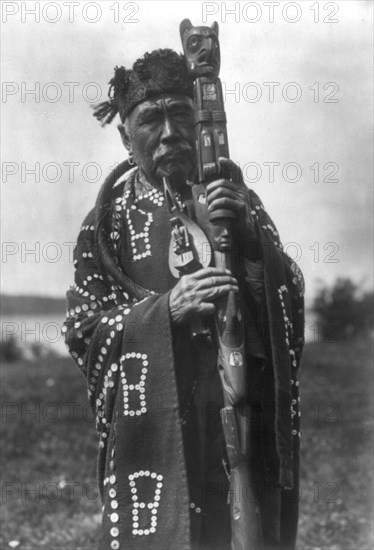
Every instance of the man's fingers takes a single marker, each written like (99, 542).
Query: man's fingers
(209, 272)
(215, 292)
(221, 184)
(230, 170)
(223, 191)
(193, 295)
(225, 202)
(213, 281)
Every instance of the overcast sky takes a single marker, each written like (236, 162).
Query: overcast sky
(320, 116)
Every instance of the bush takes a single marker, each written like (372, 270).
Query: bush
(343, 311)
(10, 350)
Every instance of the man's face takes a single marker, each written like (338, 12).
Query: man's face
(162, 136)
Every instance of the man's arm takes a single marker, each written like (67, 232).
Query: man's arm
(101, 319)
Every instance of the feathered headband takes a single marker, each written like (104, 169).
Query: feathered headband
(157, 72)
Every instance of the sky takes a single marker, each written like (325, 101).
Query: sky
(298, 96)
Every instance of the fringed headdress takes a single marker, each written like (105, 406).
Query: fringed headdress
(158, 72)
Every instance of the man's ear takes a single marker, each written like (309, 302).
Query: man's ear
(124, 136)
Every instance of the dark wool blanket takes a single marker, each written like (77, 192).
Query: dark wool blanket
(119, 333)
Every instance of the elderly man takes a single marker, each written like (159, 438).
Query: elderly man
(162, 466)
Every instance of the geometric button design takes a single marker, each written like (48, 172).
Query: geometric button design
(137, 363)
(144, 514)
(140, 244)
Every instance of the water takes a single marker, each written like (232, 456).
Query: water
(35, 329)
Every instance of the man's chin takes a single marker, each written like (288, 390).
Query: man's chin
(176, 174)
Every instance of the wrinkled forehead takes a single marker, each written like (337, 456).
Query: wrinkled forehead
(160, 100)
(167, 99)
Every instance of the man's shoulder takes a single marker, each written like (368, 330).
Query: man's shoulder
(88, 224)
(86, 234)
(118, 187)
(255, 200)
(89, 220)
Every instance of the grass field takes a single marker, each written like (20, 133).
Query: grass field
(49, 497)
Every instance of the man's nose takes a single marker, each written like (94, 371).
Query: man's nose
(169, 130)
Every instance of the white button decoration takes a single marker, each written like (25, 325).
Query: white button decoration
(143, 509)
(142, 236)
(139, 388)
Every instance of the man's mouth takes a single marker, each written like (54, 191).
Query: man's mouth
(172, 155)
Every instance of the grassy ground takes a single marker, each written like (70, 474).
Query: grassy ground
(49, 500)
(48, 438)
(337, 447)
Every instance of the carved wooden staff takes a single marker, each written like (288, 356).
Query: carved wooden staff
(201, 48)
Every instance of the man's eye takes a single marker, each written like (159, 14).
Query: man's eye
(149, 119)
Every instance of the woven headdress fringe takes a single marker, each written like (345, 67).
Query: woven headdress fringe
(105, 111)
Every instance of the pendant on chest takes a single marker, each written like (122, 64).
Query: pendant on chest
(189, 248)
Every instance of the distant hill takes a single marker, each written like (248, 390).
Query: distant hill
(31, 305)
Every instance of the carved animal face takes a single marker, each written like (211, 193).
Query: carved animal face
(201, 48)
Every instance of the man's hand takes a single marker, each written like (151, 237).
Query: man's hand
(231, 193)
(192, 296)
